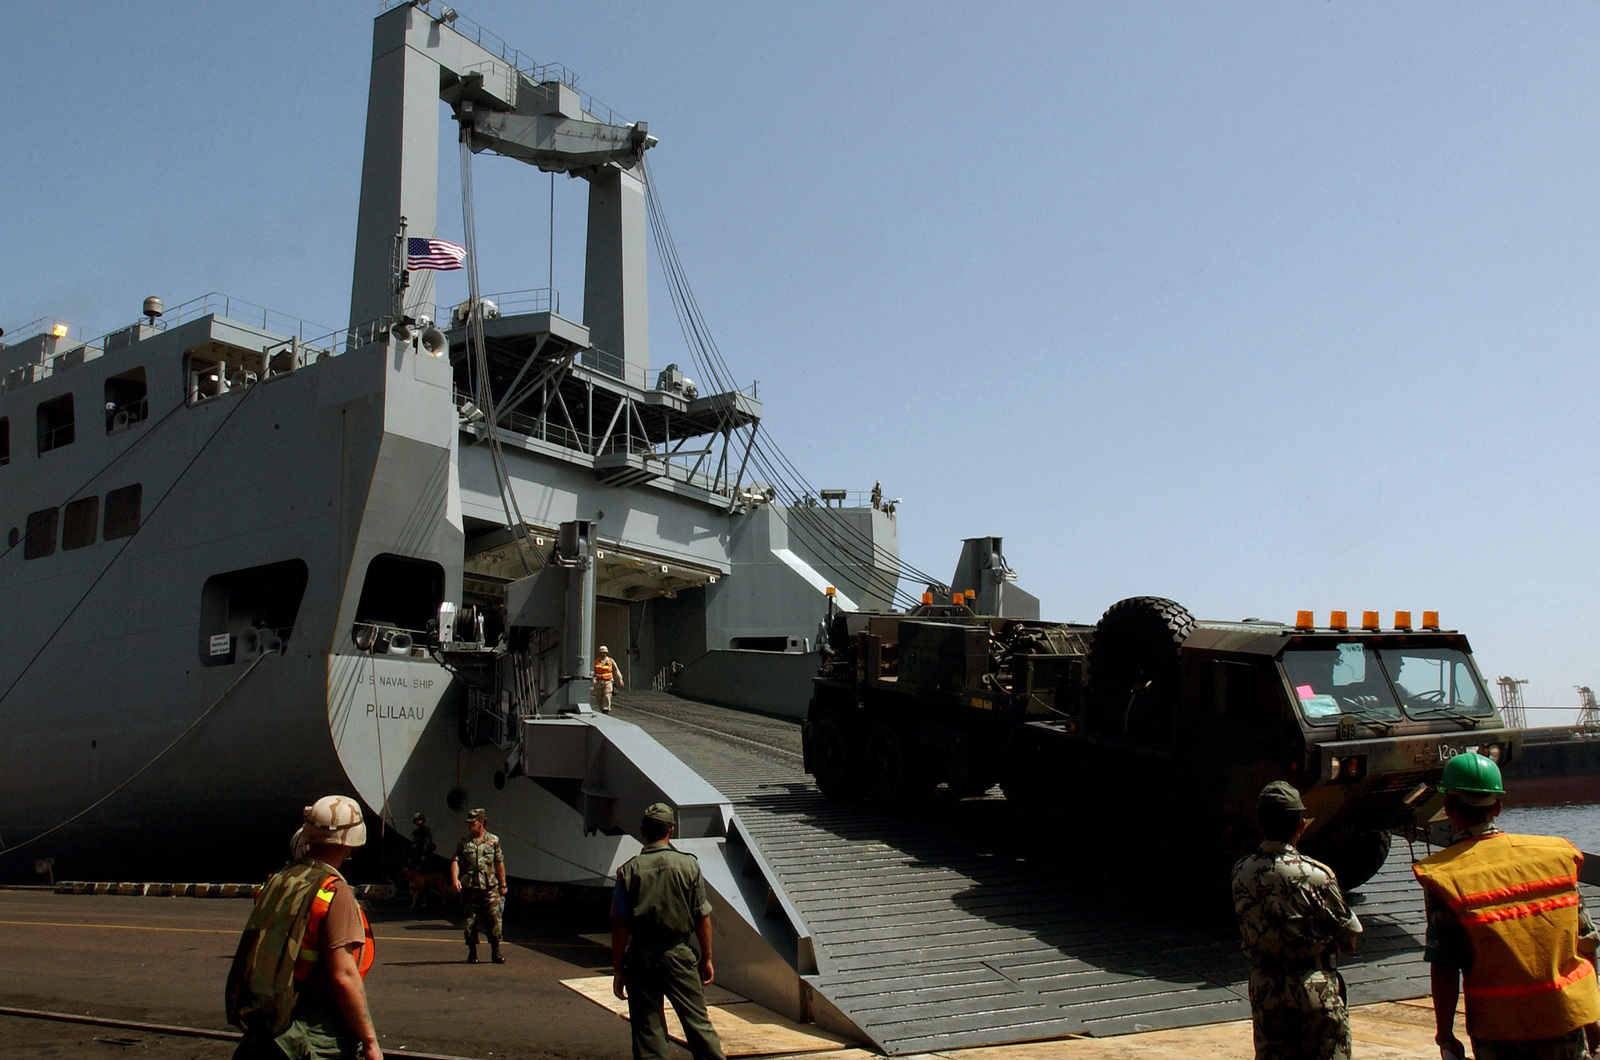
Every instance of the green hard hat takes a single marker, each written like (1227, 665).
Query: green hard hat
(1472, 776)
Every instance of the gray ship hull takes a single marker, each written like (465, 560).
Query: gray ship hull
(221, 595)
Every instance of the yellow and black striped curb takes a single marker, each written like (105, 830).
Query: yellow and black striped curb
(366, 891)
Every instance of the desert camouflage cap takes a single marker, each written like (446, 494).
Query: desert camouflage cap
(1279, 796)
(479, 814)
(333, 819)
(418, 818)
(661, 812)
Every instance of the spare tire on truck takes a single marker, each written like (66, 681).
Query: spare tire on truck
(1133, 669)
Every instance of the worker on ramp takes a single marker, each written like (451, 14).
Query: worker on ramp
(607, 676)
(1506, 917)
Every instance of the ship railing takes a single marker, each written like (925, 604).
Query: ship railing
(536, 72)
(842, 499)
(544, 430)
(216, 303)
(121, 417)
(506, 303)
(213, 303)
(55, 437)
(72, 335)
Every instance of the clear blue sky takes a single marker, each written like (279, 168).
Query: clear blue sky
(1259, 307)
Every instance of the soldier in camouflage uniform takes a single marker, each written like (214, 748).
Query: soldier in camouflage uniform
(1293, 921)
(478, 874)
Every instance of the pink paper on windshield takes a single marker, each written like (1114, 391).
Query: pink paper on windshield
(1303, 691)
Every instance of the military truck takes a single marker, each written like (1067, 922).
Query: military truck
(1153, 727)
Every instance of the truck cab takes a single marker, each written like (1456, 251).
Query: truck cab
(1362, 722)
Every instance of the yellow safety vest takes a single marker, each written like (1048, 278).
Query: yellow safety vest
(602, 670)
(1517, 898)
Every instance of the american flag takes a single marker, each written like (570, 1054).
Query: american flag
(438, 254)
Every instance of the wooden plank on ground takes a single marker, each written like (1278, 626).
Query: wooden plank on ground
(746, 1028)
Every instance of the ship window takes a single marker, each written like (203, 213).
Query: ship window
(401, 591)
(41, 534)
(55, 423)
(82, 519)
(244, 613)
(122, 511)
(126, 400)
(5, 440)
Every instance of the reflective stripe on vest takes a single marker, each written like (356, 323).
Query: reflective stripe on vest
(602, 670)
(311, 942)
(1517, 899)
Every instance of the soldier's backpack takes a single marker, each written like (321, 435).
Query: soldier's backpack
(261, 989)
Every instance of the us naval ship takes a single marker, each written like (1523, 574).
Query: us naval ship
(228, 581)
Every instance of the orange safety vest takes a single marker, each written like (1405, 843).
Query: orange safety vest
(1517, 898)
(603, 670)
(311, 942)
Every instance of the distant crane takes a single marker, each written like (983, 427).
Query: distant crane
(1589, 716)
(1511, 701)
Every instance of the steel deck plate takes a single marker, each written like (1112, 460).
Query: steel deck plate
(934, 933)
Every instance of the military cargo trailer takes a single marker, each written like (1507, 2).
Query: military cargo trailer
(1152, 722)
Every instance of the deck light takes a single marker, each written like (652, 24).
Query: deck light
(1430, 620)
(59, 331)
(1369, 620)
(1303, 620)
(1402, 620)
(1338, 620)
(831, 591)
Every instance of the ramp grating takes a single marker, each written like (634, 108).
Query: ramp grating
(934, 934)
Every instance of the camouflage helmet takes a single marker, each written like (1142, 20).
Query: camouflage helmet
(1472, 778)
(334, 819)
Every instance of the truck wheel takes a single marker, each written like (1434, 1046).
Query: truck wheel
(1133, 668)
(831, 760)
(893, 779)
(1356, 859)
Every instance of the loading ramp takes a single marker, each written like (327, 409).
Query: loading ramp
(933, 934)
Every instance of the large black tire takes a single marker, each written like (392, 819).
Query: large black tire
(1354, 860)
(1133, 668)
(833, 760)
(893, 778)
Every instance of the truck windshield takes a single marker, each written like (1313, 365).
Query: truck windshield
(1339, 679)
(1436, 681)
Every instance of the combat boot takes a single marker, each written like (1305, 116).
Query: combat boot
(494, 952)
(472, 955)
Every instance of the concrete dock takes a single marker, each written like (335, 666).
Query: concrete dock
(163, 961)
